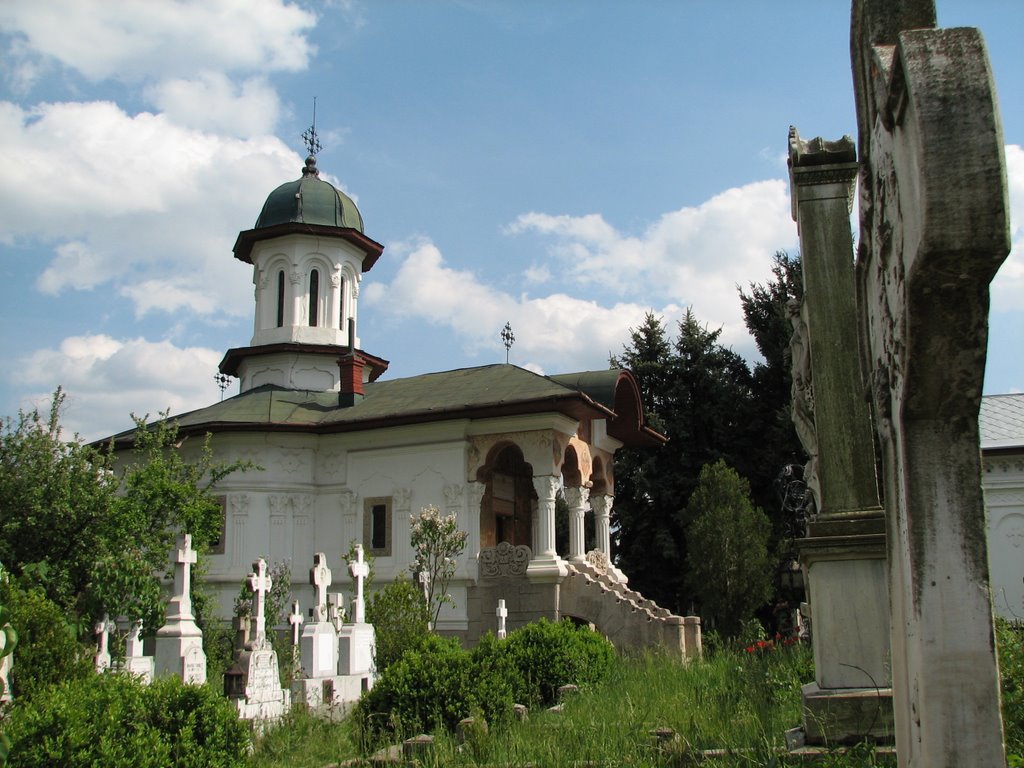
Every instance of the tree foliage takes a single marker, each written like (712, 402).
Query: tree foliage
(710, 404)
(730, 571)
(95, 533)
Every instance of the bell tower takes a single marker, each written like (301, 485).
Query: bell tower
(308, 252)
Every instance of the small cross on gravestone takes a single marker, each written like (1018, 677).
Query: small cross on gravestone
(295, 618)
(359, 570)
(103, 629)
(337, 610)
(502, 614)
(320, 578)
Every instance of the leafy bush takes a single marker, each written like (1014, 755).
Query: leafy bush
(429, 687)
(47, 650)
(1010, 639)
(436, 684)
(399, 617)
(548, 655)
(113, 720)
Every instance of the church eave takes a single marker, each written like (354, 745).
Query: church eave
(233, 357)
(248, 238)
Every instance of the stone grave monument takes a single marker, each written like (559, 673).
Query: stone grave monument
(501, 613)
(179, 642)
(356, 641)
(843, 552)
(255, 681)
(317, 684)
(135, 663)
(934, 230)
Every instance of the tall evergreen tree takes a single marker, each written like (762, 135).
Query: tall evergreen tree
(765, 312)
(697, 393)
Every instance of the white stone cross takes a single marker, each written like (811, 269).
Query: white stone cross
(502, 614)
(336, 610)
(184, 557)
(133, 643)
(295, 619)
(320, 578)
(103, 629)
(424, 577)
(359, 570)
(260, 584)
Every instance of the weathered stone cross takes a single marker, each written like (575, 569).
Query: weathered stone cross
(359, 570)
(320, 578)
(934, 231)
(260, 584)
(295, 618)
(184, 557)
(133, 643)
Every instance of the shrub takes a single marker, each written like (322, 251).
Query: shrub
(399, 617)
(113, 720)
(548, 655)
(428, 687)
(436, 684)
(47, 651)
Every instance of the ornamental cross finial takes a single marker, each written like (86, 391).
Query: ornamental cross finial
(309, 136)
(508, 339)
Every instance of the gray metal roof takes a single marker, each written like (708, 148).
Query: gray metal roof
(1001, 421)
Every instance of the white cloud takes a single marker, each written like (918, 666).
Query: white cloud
(694, 256)
(107, 379)
(213, 102)
(1008, 285)
(554, 333)
(138, 40)
(135, 201)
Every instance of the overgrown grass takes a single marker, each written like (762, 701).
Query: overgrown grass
(738, 701)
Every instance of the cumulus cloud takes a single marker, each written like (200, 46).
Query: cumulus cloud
(107, 379)
(1008, 286)
(554, 333)
(693, 256)
(213, 102)
(138, 40)
(135, 200)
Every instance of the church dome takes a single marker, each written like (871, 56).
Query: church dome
(309, 200)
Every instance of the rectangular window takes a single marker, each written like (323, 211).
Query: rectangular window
(377, 526)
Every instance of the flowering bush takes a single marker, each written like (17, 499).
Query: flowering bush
(437, 543)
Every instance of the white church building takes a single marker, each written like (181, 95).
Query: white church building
(348, 455)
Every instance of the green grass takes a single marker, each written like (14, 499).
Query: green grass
(734, 700)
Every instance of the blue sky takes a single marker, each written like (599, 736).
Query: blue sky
(563, 166)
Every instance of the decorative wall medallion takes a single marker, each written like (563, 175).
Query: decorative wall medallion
(504, 560)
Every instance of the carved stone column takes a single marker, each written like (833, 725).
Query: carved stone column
(602, 506)
(844, 550)
(546, 565)
(577, 501)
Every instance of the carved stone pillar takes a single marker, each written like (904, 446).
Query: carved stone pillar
(602, 506)
(546, 565)
(577, 500)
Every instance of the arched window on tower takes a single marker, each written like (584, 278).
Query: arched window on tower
(341, 305)
(314, 296)
(280, 298)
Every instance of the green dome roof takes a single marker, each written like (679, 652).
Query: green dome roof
(309, 200)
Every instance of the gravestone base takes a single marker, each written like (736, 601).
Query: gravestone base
(847, 715)
(262, 697)
(356, 644)
(141, 667)
(337, 693)
(180, 655)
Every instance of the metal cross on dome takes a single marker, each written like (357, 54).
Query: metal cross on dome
(309, 136)
(508, 339)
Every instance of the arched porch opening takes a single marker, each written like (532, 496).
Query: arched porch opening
(506, 508)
